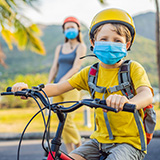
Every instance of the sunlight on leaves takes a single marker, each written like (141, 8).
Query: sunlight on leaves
(36, 45)
(14, 30)
(34, 28)
(7, 36)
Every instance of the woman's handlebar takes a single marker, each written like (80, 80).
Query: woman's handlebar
(92, 103)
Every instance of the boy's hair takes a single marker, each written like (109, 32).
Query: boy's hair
(120, 29)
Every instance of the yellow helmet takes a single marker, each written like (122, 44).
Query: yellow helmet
(112, 15)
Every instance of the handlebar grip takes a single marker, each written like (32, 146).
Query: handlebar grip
(9, 89)
(18, 93)
(127, 107)
(102, 102)
(8, 92)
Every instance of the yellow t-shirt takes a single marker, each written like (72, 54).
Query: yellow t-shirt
(123, 125)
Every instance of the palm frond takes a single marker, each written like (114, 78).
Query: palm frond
(7, 36)
(36, 45)
(101, 1)
(14, 29)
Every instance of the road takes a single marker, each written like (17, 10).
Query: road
(32, 150)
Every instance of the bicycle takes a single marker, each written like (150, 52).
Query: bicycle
(54, 152)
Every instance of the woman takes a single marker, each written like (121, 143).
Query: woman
(66, 63)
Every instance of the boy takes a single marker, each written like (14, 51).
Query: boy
(112, 33)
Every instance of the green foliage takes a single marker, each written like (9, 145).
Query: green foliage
(14, 29)
(14, 120)
(144, 52)
(145, 25)
(16, 102)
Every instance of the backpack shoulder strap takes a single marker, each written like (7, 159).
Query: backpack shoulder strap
(92, 80)
(125, 83)
(124, 78)
(92, 83)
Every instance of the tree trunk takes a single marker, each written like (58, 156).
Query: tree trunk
(158, 41)
(2, 58)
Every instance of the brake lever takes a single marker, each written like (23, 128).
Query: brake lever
(38, 88)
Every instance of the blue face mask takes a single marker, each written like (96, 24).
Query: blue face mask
(109, 52)
(71, 33)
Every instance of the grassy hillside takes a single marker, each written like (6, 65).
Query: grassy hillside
(144, 52)
(145, 25)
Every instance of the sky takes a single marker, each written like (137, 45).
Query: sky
(55, 11)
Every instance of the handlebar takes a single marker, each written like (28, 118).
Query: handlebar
(92, 103)
(27, 93)
(36, 92)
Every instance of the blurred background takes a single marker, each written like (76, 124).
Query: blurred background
(30, 31)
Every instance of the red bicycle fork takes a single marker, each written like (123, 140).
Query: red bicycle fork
(61, 155)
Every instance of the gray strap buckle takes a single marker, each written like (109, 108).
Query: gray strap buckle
(125, 85)
(112, 89)
(118, 87)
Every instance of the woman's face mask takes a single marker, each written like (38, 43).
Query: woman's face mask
(109, 52)
(71, 33)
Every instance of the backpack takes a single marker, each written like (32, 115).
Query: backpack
(126, 87)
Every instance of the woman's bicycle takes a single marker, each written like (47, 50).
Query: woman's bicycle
(53, 150)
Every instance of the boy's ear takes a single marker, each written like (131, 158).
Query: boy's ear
(92, 43)
(128, 45)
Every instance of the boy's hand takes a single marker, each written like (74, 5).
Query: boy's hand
(116, 101)
(18, 87)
